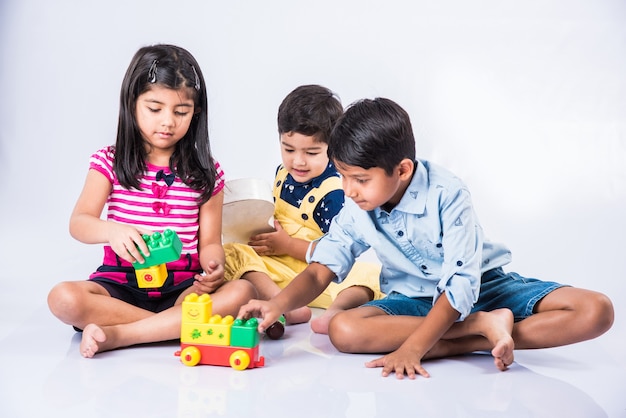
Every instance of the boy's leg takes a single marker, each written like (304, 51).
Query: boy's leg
(83, 302)
(348, 298)
(370, 330)
(548, 314)
(566, 315)
(162, 326)
(360, 286)
(267, 289)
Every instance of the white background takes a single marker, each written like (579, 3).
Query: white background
(524, 100)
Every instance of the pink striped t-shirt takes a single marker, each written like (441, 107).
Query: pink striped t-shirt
(161, 203)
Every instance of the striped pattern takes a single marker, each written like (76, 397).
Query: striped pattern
(156, 206)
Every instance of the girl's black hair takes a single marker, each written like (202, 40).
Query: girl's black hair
(372, 133)
(175, 68)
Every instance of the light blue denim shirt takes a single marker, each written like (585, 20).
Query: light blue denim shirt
(430, 243)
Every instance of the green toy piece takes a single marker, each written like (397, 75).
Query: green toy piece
(164, 247)
(244, 333)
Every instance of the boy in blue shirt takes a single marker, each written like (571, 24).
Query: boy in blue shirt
(447, 293)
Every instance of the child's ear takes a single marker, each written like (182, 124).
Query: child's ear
(405, 169)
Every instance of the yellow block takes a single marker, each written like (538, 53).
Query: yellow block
(216, 332)
(197, 309)
(150, 277)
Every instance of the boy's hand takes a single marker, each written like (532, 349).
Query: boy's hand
(269, 311)
(402, 361)
(271, 243)
(124, 240)
(211, 279)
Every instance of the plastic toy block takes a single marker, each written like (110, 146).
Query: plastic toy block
(153, 276)
(197, 309)
(239, 358)
(164, 247)
(244, 333)
(216, 331)
(211, 339)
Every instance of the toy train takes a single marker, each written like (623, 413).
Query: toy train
(213, 340)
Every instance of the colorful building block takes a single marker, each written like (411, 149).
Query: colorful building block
(153, 276)
(244, 333)
(211, 339)
(197, 309)
(164, 247)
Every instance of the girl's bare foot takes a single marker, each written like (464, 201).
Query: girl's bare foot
(298, 316)
(93, 337)
(320, 324)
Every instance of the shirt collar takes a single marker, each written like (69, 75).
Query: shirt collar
(316, 181)
(414, 199)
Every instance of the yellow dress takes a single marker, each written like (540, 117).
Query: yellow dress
(298, 223)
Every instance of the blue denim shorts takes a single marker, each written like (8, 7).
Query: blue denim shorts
(497, 290)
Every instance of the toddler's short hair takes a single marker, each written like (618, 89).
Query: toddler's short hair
(310, 110)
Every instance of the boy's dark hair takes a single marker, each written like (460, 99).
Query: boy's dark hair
(372, 133)
(174, 68)
(310, 110)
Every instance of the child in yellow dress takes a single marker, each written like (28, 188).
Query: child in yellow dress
(307, 194)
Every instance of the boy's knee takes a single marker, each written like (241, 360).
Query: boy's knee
(343, 333)
(603, 312)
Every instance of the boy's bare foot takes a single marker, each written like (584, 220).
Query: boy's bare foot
(498, 329)
(93, 337)
(298, 316)
(320, 324)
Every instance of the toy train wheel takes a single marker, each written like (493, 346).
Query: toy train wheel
(190, 356)
(239, 360)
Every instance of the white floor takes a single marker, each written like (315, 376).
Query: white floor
(43, 375)
(525, 100)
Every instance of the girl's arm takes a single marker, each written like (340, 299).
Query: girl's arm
(210, 250)
(87, 226)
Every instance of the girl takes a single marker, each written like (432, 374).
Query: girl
(160, 174)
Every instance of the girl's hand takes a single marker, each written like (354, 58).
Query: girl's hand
(402, 361)
(269, 311)
(124, 240)
(211, 279)
(271, 243)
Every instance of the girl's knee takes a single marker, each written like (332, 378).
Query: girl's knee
(63, 299)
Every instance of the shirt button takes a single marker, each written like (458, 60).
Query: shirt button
(424, 267)
(278, 183)
(311, 199)
(438, 245)
(305, 216)
(400, 233)
(459, 263)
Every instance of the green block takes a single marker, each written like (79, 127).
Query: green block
(244, 333)
(164, 247)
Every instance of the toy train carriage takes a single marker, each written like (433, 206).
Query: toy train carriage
(211, 339)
